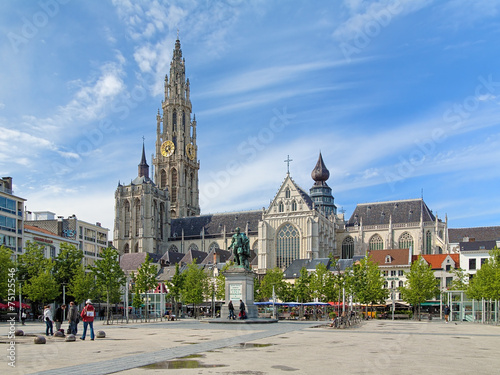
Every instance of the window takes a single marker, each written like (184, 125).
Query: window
(448, 267)
(400, 273)
(281, 207)
(193, 247)
(294, 206)
(287, 246)
(163, 179)
(472, 264)
(137, 210)
(393, 273)
(428, 242)
(483, 261)
(385, 273)
(393, 284)
(347, 248)
(173, 186)
(400, 284)
(7, 205)
(126, 214)
(287, 193)
(376, 243)
(406, 241)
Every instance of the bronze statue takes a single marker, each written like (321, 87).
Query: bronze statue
(241, 249)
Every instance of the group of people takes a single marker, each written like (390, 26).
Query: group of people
(242, 315)
(87, 316)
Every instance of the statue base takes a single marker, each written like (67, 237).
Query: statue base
(239, 285)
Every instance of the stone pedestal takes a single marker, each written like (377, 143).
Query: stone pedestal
(239, 285)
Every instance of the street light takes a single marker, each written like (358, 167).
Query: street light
(64, 300)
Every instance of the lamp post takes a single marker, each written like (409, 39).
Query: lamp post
(64, 299)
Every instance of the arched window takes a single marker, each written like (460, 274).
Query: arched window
(161, 219)
(294, 205)
(174, 121)
(406, 241)
(193, 247)
(137, 210)
(376, 242)
(287, 246)
(213, 246)
(440, 250)
(287, 193)
(173, 186)
(163, 179)
(348, 248)
(183, 121)
(281, 207)
(126, 214)
(400, 284)
(428, 242)
(173, 248)
(126, 249)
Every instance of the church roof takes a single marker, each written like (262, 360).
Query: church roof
(191, 255)
(402, 211)
(171, 257)
(216, 256)
(214, 224)
(456, 235)
(293, 270)
(132, 261)
(142, 180)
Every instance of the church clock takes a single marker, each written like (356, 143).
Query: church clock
(167, 148)
(190, 151)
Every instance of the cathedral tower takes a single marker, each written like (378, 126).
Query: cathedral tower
(175, 162)
(321, 193)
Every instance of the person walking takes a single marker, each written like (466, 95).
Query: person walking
(231, 310)
(73, 318)
(59, 317)
(446, 314)
(242, 310)
(47, 316)
(23, 315)
(88, 314)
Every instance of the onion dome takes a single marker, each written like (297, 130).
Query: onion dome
(320, 173)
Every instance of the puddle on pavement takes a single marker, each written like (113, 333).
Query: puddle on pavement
(177, 364)
(246, 345)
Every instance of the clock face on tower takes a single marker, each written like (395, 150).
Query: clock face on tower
(190, 151)
(167, 148)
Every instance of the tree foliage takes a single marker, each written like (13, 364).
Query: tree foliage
(486, 282)
(6, 264)
(420, 285)
(82, 286)
(145, 279)
(42, 288)
(366, 283)
(175, 287)
(108, 275)
(194, 288)
(302, 289)
(322, 284)
(67, 263)
(272, 278)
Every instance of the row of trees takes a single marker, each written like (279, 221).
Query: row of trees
(41, 279)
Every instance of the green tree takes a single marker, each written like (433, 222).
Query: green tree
(322, 284)
(67, 263)
(302, 287)
(42, 288)
(366, 283)
(194, 288)
(6, 265)
(272, 278)
(145, 279)
(109, 276)
(83, 286)
(175, 287)
(220, 288)
(486, 282)
(33, 261)
(460, 280)
(420, 285)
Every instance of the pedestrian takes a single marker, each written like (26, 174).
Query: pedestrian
(242, 310)
(23, 315)
(47, 316)
(446, 314)
(231, 310)
(59, 317)
(73, 318)
(88, 314)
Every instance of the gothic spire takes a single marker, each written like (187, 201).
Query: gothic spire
(320, 173)
(143, 166)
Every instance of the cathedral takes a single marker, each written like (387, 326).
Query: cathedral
(161, 216)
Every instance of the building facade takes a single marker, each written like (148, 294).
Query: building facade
(50, 242)
(11, 217)
(92, 239)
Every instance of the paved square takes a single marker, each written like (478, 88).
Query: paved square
(377, 347)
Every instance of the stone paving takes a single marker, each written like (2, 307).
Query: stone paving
(376, 347)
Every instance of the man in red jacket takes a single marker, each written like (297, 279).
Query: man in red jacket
(88, 314)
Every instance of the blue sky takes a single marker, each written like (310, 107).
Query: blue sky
(399, 96)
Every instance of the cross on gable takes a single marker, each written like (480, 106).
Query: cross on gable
(287, 161)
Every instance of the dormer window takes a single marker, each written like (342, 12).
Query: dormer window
(388, 259)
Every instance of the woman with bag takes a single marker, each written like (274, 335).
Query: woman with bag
(47, 316)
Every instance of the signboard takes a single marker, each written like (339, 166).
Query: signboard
(393, 278)
(235, 292)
